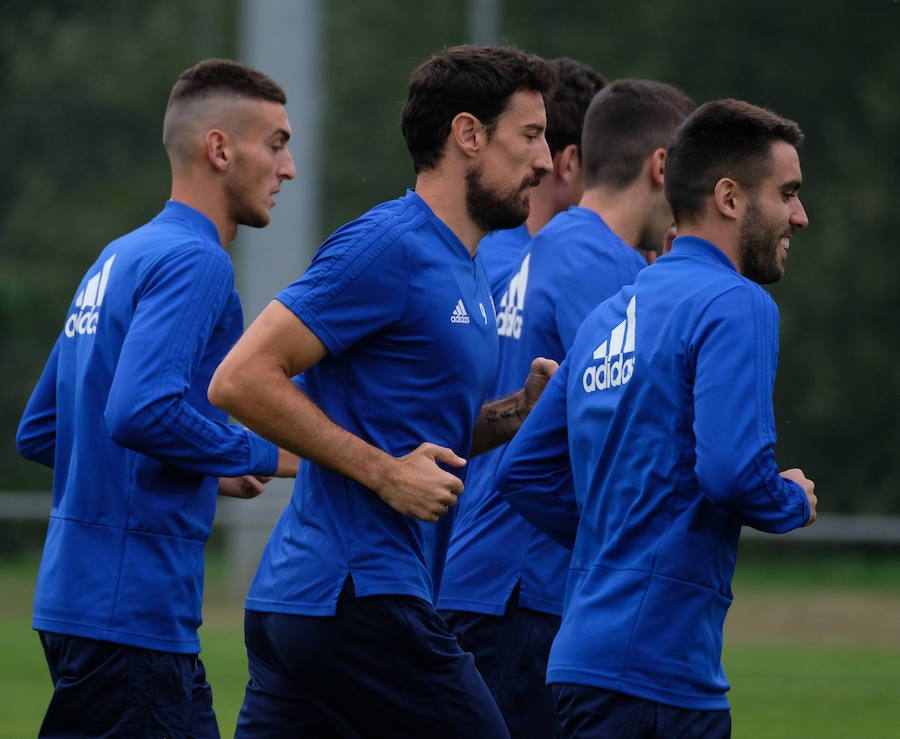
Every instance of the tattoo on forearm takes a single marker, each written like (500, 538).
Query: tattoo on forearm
(494, 415)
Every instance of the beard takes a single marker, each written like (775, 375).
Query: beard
(239, 191)
(491, 210)
(758, 244)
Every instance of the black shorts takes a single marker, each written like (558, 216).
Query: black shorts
(383, 666)
(587, 712)
(511, 653)
(101, 689)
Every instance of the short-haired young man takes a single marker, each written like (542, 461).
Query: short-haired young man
(662, 413)
(121, 414)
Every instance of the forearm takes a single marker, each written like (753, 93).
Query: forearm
(498, 422)
(171, 430)
(36, 434)
(547, 502)
(273, 407)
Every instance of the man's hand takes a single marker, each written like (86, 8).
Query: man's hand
(416, 486)
(539, 375)
(808, 486)
(246, 486)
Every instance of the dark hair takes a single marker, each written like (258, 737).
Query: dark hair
(217, 76)
(626, 121)
(722, 138)
(465, 79)
(578, 84)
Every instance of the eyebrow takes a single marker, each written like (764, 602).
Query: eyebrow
(282, 133)
(791, 186)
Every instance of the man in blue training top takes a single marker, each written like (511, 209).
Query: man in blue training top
(500, 250)
(395, 331)
(662, 415)
(503, 584)
(121, 414)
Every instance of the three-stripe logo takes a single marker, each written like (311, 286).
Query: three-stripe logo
(611, 367)
(88, 302)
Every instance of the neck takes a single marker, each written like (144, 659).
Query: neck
(541, 206)
(446, 197)
(624, 211)
(717, 234)
(206, 198)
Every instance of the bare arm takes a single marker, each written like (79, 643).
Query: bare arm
(245, 486)
(499, 420)
(253, 383)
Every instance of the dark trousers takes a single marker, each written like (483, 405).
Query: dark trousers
(101, 689)
(594, 713)
(511, 653)
(382, 666)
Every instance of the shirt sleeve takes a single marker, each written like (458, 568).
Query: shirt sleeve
(148, 410)
(36, 435)
(736, 354)
(355, 286)
(534, 475)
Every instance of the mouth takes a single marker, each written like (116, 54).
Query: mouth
(784, 244)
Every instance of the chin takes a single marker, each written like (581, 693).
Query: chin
(256, 220)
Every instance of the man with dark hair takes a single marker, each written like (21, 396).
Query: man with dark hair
(578, 84)
(503, 586)
(394, 329)
(662, 415)
(121, 414)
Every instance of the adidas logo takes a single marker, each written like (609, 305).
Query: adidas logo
(89, 301)
(612, 368)
(459, 314)
(509, 319)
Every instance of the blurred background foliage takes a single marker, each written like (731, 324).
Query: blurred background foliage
(83, 85)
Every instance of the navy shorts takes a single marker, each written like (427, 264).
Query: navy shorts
(594, 713)
(511, 653)
(101, 689)
(383, 666)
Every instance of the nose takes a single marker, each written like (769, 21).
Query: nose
(543, 160)
(799, 218)
(287, 170)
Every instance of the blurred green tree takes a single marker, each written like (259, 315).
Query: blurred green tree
(84, 84)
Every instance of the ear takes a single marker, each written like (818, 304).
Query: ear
(726, 195)
(657, 169)
(567, 163)
(469, 133)
(217, 149)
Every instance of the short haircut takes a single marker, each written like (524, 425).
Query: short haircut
(722, 138)
(626, 122)
(578, 84)
(466, 79)
(209, 79)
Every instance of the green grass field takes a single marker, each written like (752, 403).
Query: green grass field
(812, 650)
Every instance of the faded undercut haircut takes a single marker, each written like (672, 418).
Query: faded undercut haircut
(722, 138)
(626, 122)
(213, 78)
(466, 79)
